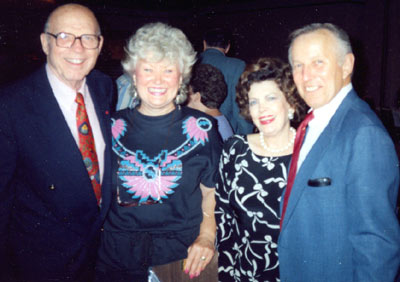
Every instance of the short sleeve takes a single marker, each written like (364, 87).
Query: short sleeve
(213, 150)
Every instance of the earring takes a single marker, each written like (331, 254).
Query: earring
(291, 114)
(133, 91)
(182, 94)
(135, 97)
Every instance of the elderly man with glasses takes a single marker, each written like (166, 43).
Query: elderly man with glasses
(54, 165)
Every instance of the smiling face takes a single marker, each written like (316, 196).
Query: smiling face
(71, 65)
(157, 84)
(317, 71)
(268, 108)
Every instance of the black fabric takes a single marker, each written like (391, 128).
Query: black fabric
(159, 163)
(248, 195)
(49, 217)
(121, 276)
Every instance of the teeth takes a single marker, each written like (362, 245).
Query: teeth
(157, 90)
(75, 61)
(266, 118)
(311, 88)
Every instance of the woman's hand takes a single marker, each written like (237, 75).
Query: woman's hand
(200, 254)
(202, 250)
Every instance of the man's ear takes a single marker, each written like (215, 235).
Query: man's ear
(197, 96)
(194, 97)
(227, 48)
(348, 65)
(45, 43)
(204, 45)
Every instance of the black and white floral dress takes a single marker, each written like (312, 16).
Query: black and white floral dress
(248, 194)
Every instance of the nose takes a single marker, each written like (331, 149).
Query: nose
(307, 73)
(77, 45)
(158, 77)
(263, 106)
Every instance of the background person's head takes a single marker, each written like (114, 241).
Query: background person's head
(69, 58)
(322, 62)
(207, 85)
(258, 76)
(217, 38)
(159, 59)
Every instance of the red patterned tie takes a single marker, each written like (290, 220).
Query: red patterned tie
(87, 146)
(301, 132)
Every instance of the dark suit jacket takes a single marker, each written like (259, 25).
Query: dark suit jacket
(49, 219)
(232, 69)
(340, 223)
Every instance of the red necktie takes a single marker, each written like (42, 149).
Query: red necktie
(87, 146)
(301, 132)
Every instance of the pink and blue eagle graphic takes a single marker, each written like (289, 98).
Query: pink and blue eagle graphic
(152, 180)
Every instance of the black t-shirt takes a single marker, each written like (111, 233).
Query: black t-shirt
(158, 164)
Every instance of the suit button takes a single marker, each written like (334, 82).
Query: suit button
(102, 229)
(52, 187)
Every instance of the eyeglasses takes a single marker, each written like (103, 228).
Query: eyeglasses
(66, 40)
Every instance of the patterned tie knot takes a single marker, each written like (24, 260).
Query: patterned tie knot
(79, 99)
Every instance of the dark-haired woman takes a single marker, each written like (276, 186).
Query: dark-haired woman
(253, 172)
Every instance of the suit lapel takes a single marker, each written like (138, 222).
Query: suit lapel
(51, 125)
(316, 153)
(100, 105)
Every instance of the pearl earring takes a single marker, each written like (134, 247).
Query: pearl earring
(291, 114)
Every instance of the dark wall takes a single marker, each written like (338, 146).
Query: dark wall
(260, 28)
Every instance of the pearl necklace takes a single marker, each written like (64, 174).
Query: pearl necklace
(288, 145)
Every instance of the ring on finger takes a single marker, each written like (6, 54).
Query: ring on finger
(203, 258)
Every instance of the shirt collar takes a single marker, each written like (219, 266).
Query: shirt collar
(61, 89)
(325, 113)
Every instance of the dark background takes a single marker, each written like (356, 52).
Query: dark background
(260, 28)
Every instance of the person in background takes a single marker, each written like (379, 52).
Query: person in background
(339, 223)
(253, 172)
(216, 44)
(164, 168)
(207, 91)
(125, 91)
(55, 171)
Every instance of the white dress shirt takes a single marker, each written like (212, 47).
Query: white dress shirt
(322, 116)
(65, 97)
